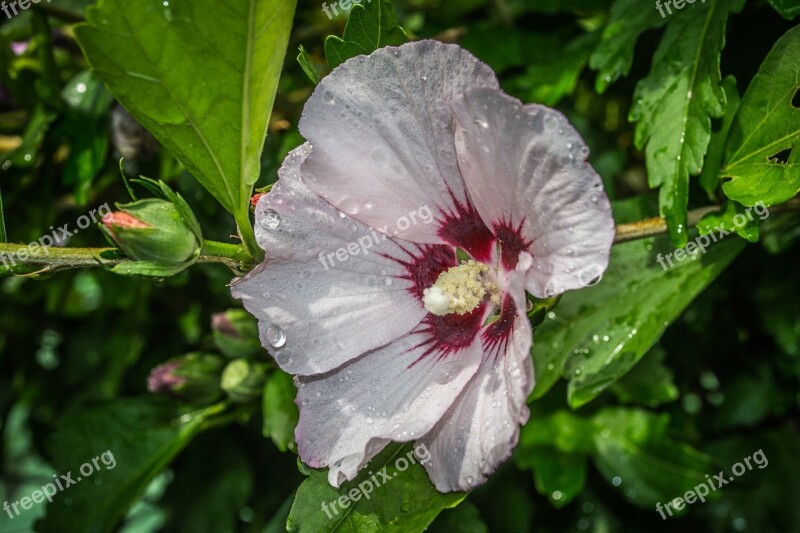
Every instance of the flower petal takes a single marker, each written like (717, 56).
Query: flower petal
(383, 142)
(395, 393)
(333, 288)
(543, 197)
(482, 427)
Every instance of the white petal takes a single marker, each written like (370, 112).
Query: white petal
(543, 197)
(395, 393)
(314, 316)
(482, 427)
(383, 140)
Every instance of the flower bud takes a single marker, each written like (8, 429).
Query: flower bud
(243, 381)
(236, 333)
(152, 230)
(193, 377)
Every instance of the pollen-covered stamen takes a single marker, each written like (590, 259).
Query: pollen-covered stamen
(460, 289)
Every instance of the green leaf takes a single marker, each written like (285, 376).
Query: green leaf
(142, 435)
(559, 476)
(614, 56)
(556, 78)
(308, 66)
(204, 86)
(370, 27)
(86, 120)
(405, 502)
(709, 177)
(766, 127)
(734, 216)
(674, 105)
(649, 383)
(555, 447)
(465, 518)
(593, 344)
(635, 454)
(788, 9)
(280, 411)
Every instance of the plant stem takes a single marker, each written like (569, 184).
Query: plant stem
(238, 259)
(248, 236)
(20, 257)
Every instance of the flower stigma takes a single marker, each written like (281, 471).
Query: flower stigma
(460, 289)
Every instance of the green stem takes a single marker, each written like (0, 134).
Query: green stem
(19, 258)
(248, 236)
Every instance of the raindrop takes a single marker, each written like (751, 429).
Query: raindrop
(616, 481)
(270, 219)
(329, 97)
(276, 337)
(387, 282)
(481, 122)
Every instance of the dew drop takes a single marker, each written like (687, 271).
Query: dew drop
(387, 282)
(276, 337)
(329, 97)
(270, 219)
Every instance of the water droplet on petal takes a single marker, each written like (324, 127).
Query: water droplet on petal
(329, 97)
(270, 219)
(276, 337)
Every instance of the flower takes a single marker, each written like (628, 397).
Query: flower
(397, 339)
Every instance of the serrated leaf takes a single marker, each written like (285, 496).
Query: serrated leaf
(143, 435)
(675, 103)
(788, 9)
(635, 454)
(591, 343)
(614, 56)
(370, 27)
(308, 66)
(280, 411)
(406, 502)
(766, 127)
(734, 217)
(203, 86)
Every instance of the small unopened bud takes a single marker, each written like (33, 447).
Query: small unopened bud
(152, 230)
(236, 333)
(193, 377)
(243, 381)
(256, 197)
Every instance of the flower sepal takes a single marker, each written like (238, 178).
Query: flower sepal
(161, 235)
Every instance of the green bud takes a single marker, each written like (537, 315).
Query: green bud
(153, 230)
(243, 381)
(236, 333)
(193, 377)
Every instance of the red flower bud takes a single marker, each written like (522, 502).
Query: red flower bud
(256, 197)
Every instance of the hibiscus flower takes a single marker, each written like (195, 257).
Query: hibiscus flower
(400, 241)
